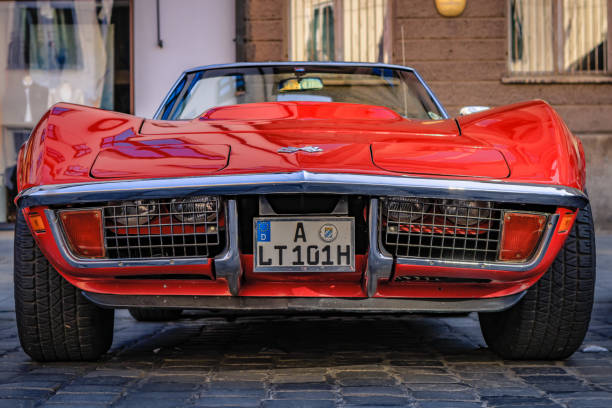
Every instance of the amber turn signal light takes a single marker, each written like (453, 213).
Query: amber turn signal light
(566, 222)
(36, 222)
(520, 235)
(84, 232)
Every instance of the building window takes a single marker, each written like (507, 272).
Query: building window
(321, 40)
(59, 51)
(558, 37)
(339, 30)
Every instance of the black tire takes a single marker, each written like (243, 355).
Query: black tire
(155, 315)
(54, 321)
(552, 319)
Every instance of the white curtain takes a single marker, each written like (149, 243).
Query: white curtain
(54, 52)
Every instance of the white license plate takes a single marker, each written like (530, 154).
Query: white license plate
(304, 244)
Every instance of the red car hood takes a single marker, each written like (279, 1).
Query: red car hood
(247, 138)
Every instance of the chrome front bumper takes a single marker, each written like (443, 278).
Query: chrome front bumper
(304, 182)
(228, 265)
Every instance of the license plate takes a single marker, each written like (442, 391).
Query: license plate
(304, 244)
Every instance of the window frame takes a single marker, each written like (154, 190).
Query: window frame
(557, 75)
(338, 23)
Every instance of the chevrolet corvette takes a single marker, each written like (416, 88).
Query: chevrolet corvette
(303, 187)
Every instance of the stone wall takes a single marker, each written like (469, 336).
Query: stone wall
(261, 30)
(463, 59)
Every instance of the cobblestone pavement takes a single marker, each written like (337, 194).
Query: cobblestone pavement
(307, 361)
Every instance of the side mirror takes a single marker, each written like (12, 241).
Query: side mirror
(468, 110)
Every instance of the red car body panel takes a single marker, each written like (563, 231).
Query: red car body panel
(533, 140)
(520, 143)
(342, 284)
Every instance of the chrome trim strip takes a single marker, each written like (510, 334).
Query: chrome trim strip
(496, 266)
(304, 182)
(431, 94)
(379, 265)
(246, 304)
(297, 63)
(77, 262)
(227, 265)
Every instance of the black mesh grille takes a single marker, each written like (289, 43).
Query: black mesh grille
(441, 229)
(163, 228)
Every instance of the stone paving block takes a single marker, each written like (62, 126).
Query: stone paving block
(33, 377)
(509, 392)
(427, 378)
(34, 385)
(108, 380)
(307, 378)
(478, 368)
(448, 404)
(239, 375)
(158, 386)
(507, 401)
(71, 405)
(568, 396)
(24, 393)
(377, 400)
(367, 381)
(312, 386)
(298, 404)
(413, 370)
(84, 398)
(594, 370)
(94, 389)
(372, 406)
(114, 369)
(557, 383)
(546, 370)
(17, 403)
(578, 360)
(183, 373)
(239, 385)
(590, 403)
(227, 402)
(416, 363)
(140, 402)
(233, 392)
(372, 390)
(304, 395)
(445, 395)
(438, 387)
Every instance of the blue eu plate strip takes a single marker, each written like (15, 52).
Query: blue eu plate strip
(263, 231)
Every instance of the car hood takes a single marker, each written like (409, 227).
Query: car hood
(294, 136)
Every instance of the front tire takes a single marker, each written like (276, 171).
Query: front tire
(54, 321)
(552, 319)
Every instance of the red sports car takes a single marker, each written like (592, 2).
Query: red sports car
(340, 187)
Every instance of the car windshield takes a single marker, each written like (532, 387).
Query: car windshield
(397, 89)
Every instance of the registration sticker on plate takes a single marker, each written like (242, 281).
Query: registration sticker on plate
(304, 244)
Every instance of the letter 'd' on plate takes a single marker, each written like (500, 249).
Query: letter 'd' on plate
(304, 244)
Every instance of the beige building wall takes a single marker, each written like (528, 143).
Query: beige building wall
(194, 33)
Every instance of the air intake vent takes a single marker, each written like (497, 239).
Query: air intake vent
(441, 229)
(164, 228)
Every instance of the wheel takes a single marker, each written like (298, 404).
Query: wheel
(551, 320)
(155, 315)
(54, 321)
